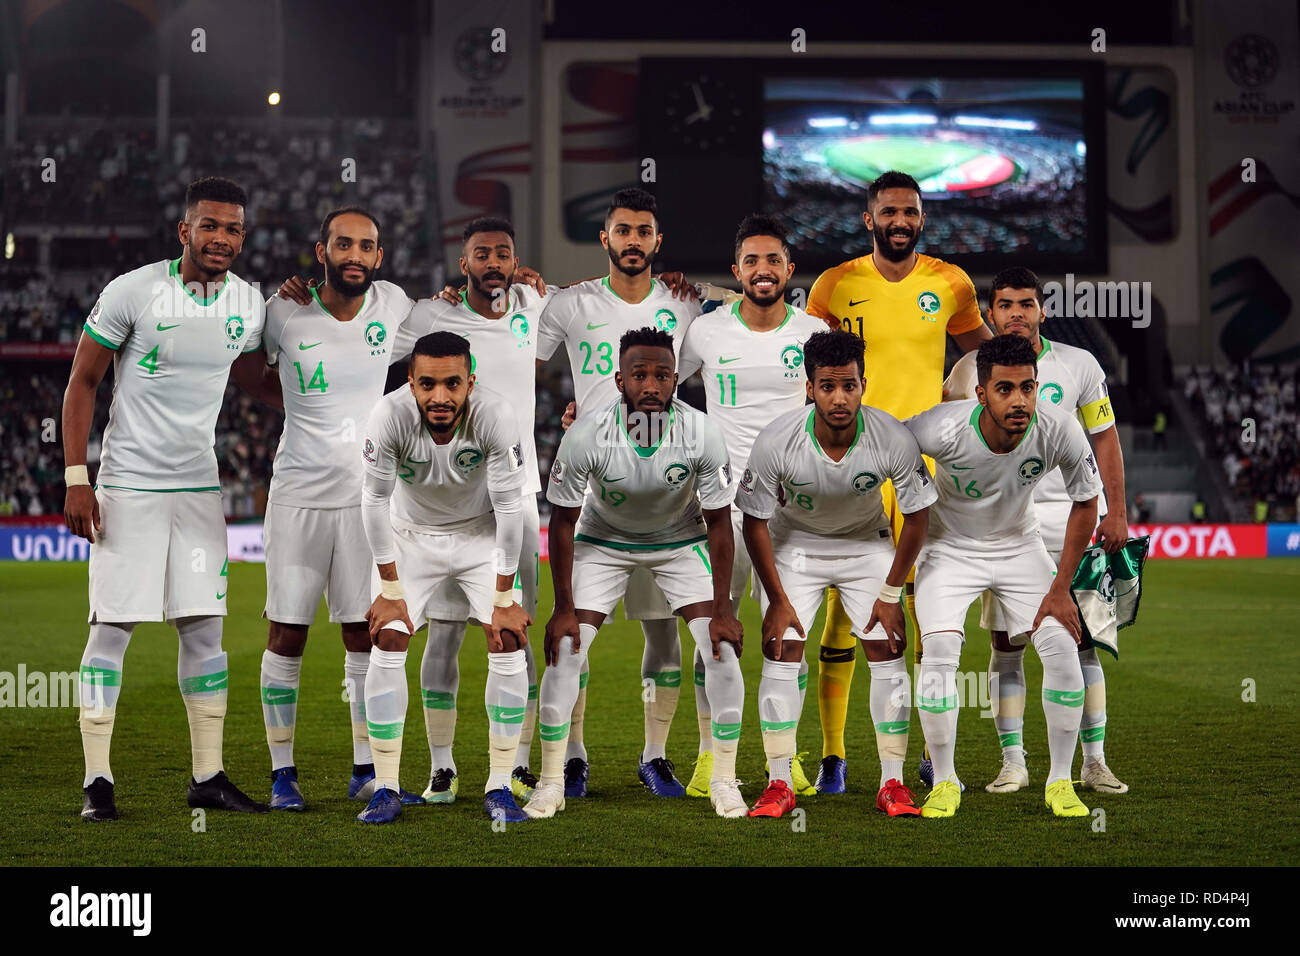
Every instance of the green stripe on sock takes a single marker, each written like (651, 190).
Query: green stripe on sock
(665, 678)
(582, 679)
(101, 676)
(699, 678)
(384, 731)
(725, 731)
(279, 695)
(775, 726)
(891, 727)
(1066, 698)
(803, 681)
(556, 732)
(1092, 734)
(438, 699)
(505, 715)
(532, 691)
(1012, 739)
(938, 705)
(205, 683)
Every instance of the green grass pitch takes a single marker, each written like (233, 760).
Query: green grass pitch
(1211, 774)
(923, 158)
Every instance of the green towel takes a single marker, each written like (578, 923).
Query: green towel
(1107, 589)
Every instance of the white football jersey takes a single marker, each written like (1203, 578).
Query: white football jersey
(833, 508)
(441, 489)
(642, 498)
(749, 377)
(1068, 376)
(985, 504)
(331, 375)
(503, 354)
(172, 353)
(588, 319)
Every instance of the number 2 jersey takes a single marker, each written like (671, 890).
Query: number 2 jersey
(642, 498)
(332, 374)
(985, 506)
(832, 508)
(588, 319)
(172, 352)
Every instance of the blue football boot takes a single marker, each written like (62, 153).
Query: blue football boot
(500, 805)
(832, 775)
(575, 777)
(285, 794)
(384, 807)
(657, 775)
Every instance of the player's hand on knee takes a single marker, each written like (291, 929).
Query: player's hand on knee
(296, 289)
(570, 415)
(725, 629)
(889, 615)
(532, 278)
(779, 618)
(514, 619)
(81, 512)
(560, 626)
(383, 612)
(1060, 605)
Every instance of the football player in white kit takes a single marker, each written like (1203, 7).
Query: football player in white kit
(440, 505)
(1073, 379)
(643, 483)
(499, 319)
(157, 533)
(750, 354)
(588, 319)
(331, 356)
(816, 473)
(983, 535)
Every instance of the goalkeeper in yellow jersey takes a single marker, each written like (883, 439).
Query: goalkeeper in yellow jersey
(902, 304)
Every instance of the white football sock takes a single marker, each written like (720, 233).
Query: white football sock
(936, 697)
(661, 682)
(355, 666)
(702, 714)
(891, 712)
(439, 681)
(1092, 726)
(506, 697)
(386, 700)
(1062, 694)
(778, 716)
(280, 679)
(575, 747)
(99, 687)
(201, 670)
(725, 685)
(525, 751)
(558, 694)
(1007, 690)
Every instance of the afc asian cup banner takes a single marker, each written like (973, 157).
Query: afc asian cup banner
(484, 61)
(1248, 75)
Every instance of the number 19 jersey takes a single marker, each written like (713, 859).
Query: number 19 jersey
(588, 319)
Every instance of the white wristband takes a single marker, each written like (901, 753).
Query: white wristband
(391, 590)
(503, 599)
(889, 593)
(75, 475)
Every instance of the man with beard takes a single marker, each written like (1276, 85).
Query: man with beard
(499, 319)
(900, 303)
(332, 355)
(172, 331)
(751, 357)
(589, 318)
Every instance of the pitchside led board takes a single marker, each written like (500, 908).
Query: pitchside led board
(1010, 157)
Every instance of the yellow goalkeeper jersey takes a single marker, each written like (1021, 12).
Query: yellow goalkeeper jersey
(903, 324)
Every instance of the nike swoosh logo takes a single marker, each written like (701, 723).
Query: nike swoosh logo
(512, 714)
(215, 682)
(859, 302)
(221, 595)
(414, 461)
(962, 467)
(800, 484)
(725, 361)
(164, 328)
(303, 346)
(272, 698)
(613, 479)
(600, 326)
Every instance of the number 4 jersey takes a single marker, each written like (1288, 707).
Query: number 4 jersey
(332, 374)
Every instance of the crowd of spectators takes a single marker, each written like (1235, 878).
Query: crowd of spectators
(1253, 429)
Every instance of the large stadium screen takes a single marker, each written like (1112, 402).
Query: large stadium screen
(1003, 164)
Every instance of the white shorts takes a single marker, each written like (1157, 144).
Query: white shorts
(446, 577)
(858, 580)
(312, 552)
(991, 615)
(602, 575)
(947, 583)
(742, 568)
(160, 556)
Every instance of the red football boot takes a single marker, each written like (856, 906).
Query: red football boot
(775, 801)
(895, 799)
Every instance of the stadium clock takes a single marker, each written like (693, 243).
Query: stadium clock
(702, 113)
